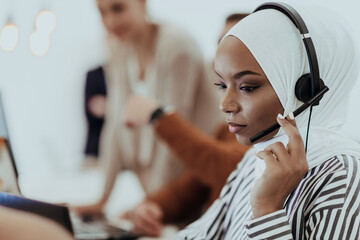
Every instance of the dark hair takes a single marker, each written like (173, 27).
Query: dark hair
(236, 17)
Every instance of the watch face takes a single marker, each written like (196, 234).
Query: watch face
(156, 114)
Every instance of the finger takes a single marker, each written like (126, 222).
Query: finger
(145, 230)
(149, 220)
(295, 145)
(291, 118)
(288, 123)
(269, 159)
(155, 212)
(148, 227)
(279, 150)
(126, 215)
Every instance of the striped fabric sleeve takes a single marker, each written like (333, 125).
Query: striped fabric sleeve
(272, 226)
(336, 212)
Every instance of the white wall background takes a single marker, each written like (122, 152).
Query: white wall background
(43, 96)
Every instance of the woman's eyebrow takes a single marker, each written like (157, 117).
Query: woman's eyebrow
(218, 74)
(243, 73)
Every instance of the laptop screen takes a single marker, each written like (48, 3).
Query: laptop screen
(57, 213)
(8, 170)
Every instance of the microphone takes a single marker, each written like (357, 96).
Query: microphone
(302, 108)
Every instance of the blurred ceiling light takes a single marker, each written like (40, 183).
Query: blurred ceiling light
(46, 21)
(9, 37)
(39, 43)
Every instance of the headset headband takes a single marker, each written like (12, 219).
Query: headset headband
(295, 17)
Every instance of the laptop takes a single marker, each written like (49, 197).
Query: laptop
(96, 228)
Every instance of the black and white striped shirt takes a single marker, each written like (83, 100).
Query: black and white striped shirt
(325, 205)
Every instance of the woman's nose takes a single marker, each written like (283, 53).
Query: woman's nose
(229, 104)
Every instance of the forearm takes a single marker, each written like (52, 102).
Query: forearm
(110, 173)
(181, 198)
(201, 153)
(110, 161)
(16, 225)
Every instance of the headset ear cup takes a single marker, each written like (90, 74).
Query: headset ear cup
(303, 87)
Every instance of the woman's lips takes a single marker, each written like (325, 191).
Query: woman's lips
(235, 128)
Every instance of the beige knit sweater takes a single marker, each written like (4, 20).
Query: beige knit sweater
(177, 78)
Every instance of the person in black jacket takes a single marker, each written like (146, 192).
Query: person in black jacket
(95, 100)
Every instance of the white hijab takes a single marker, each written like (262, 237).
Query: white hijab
(277, 46)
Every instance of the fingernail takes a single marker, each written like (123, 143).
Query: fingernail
(280, 116)
(291, 115)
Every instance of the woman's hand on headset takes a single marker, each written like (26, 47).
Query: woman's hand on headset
(285, 168)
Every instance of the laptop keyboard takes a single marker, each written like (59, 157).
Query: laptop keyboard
(97, 228)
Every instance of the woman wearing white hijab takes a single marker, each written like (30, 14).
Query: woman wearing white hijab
(284, 192)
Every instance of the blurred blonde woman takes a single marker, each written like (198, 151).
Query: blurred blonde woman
(157, 61)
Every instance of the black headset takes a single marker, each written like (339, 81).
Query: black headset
(309, 88)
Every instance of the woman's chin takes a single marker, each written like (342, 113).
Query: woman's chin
(243, 140)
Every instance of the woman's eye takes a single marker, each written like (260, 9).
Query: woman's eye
(117, 8)
(248, 89)
(220, 85)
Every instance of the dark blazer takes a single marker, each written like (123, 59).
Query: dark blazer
(95, 85)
